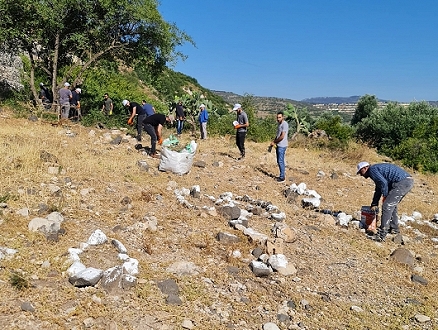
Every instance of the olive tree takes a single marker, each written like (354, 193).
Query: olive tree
(364, 108)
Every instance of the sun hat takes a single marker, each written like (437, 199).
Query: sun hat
(236, 106)
(78, 90)
(125, 102)
(66, 84)
(202, 105)
(41, 84)
(361, 165)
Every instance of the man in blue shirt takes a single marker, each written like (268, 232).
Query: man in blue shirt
(148, 108)
(393, 183)
(203, 119)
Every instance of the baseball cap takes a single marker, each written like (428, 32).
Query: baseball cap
(78, 90)
(236, 106)
(125, 102)
(66, 84)
(361, 165)
(202, 105)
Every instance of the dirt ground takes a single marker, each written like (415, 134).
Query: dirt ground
(343, 279)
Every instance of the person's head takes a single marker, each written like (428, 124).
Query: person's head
(280, 117)
(362, 168)
(202, 107)
(179, 102)
(125, 103)
(78, 90)
(41, 85)
(143, 102)
(105, 95)
(237, 107)
(66, 85)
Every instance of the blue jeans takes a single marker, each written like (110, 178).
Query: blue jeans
(280, 151)
(179, 126)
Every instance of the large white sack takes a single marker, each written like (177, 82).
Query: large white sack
(177, 162)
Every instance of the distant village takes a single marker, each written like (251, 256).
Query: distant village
(347, 107)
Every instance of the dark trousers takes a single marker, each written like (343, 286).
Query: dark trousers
(140, 119)
(240, 142)
(151, 131)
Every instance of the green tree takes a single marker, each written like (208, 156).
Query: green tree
(366, 105)
(68, 38)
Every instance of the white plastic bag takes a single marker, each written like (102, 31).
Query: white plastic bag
(177, 162)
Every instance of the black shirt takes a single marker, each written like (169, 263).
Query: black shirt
(75, 98)
(155, 119)
(179, 110)
(138, 108)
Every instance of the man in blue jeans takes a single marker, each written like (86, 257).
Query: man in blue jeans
(393, 183)
(281, 142)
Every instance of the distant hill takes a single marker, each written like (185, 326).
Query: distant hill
(266, 104)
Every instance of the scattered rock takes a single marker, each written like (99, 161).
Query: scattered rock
(403, 256)
(27, 307)
(419, 279)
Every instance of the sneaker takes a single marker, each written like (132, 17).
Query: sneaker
(280, 180)
(394, 231)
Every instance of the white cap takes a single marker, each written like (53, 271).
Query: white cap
(66, 84)
(202, 105)
(125, 102)
(361, 165)
(78, 90)
(236, 106)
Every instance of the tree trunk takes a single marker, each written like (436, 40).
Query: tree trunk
(55, 69)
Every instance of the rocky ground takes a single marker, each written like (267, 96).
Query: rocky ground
(189, 268)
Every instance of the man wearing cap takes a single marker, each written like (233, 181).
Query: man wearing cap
(65, 96)
(393, 183)
(203, 119)
(75, 103)
(135, 109)
(107, 106)
(241, 129)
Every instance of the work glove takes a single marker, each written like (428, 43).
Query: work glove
(130, 122)
(160, 141)
(237, 126)
(374, 208)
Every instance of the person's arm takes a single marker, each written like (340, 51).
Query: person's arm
(134, 112)
(111, 106)
(153, 109)
(158, 130)
(278, 139)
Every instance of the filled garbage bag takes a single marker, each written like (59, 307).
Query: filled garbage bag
(179, 162)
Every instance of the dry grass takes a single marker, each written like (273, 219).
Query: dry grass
(332, 262)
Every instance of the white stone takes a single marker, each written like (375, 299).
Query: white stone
(187, 324)
(356, 309)
(131, 266)
(75, 268)
(119, 246)
(270, 326)
(123, 256)
(97, 238)
(277, 261)
(278, 216)
(417, 215)
(344, 219)
(422, 318)
(23, 212)
(55, 217)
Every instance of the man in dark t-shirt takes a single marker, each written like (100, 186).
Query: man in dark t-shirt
(135, 109)
(153, 126)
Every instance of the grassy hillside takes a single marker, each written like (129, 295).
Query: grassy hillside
(342, 281)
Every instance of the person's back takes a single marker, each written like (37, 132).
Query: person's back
(148, 108)
(64, 95)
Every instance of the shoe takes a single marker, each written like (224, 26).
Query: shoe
(394, 231)
(280, 180)
(379, 236)
(138, 138)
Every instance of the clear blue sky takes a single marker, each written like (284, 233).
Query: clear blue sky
(300, 49)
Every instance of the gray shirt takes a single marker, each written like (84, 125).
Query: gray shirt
(283, 127)
(64, 95)
(242, 119)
